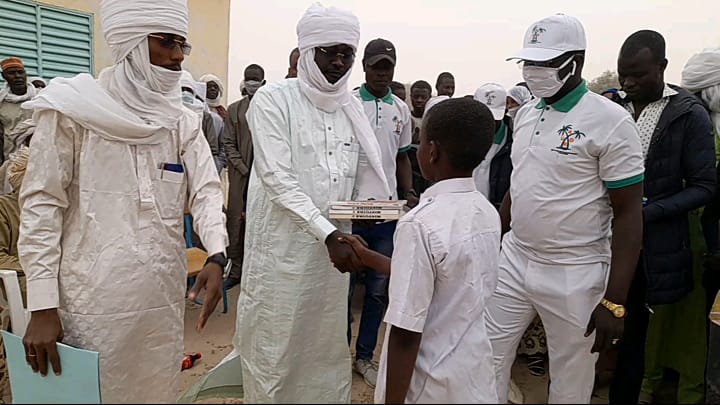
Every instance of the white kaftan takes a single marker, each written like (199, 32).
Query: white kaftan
(292, 312)
(101, 239)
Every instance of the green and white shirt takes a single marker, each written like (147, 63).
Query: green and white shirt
(389, 117)
(565, 158)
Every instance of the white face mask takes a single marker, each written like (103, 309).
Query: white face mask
(513, 111)
(252, 86)
(188, 98)
(545, 81)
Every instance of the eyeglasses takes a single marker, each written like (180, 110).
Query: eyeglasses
(169, 42)
(332, 54)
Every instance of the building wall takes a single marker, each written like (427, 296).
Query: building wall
(209, 35)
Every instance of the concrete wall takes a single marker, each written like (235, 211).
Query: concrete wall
(209, 35)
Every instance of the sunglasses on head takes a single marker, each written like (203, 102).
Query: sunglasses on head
(169, 41)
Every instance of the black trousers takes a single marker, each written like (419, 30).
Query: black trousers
(630, 369)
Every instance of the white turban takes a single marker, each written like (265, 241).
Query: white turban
(212, 78)
(328, 26)
(198, 106)
(702, 74)
(133, 99)
(520, 94)
(126, 23)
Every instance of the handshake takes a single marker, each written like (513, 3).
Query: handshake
(350, 254)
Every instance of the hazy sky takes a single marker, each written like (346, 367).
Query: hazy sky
(470, 38)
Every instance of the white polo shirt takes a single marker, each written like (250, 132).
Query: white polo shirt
(444, 270)
(565, 158)
(390, 119)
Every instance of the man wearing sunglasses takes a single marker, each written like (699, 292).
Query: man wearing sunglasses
(307, 139)
(577, 168)
(115, 163)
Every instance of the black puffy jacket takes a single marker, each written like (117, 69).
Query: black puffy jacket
(679, 177)
(501, 168)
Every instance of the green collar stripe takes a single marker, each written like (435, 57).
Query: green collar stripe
(570, 100)
(500, 134)
(612, 185)
(365, 95)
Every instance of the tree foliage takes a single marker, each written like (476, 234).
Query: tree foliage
(606, 80)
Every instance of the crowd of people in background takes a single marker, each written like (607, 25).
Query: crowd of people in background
(543, 220)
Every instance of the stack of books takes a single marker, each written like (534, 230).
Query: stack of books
(372, 209)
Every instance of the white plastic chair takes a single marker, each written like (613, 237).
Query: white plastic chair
(17, 312)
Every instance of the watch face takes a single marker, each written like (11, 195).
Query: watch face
(619, 312)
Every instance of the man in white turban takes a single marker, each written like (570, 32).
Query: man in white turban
(292, 311)
(194, 95)
(214, 91)
(701, 74)
(113, 164)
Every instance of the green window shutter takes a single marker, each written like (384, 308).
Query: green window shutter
(18, 33)
(66, 44)
(52, 41)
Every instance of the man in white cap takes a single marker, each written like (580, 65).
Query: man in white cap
(314, 145)
(577, 168)
(112, 166)
(492, 176)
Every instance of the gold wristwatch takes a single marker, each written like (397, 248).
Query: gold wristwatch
(617, 310)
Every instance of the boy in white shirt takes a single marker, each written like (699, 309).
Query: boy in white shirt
(444, 269)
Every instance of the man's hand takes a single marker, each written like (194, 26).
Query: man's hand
(359, 245)
(608, 329)
(342, 255)
(40, 341)
(210, 278)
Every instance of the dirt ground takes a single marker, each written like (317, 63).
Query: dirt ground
(216, 342)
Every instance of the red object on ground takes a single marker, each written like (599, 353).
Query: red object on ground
(189, 360)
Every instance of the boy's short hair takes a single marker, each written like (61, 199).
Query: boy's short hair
(463, 128)
(421, 85)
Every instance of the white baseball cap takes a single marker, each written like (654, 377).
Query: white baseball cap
(494, 97)
(551, 37)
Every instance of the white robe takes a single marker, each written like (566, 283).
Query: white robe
(101, 238)
(292, 311)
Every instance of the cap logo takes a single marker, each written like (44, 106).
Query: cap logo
(388, 49)
(489, 98)
(536, 31)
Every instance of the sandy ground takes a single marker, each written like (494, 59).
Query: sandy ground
(216, 341)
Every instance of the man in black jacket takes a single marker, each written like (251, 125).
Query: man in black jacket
(676, 134)
(492, 176)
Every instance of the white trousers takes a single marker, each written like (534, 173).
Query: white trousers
(564, 296)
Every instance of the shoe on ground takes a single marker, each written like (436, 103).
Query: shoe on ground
(368, 370)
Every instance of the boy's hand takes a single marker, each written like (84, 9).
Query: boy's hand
(358, 244)
(342, 256)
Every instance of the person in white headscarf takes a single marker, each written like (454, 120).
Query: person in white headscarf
(213, 98)
(112, 166)
(292, 311)
(517, 97)
(215, 92)
(701, 74)
(193, 96)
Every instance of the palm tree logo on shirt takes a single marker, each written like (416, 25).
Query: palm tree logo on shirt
(536, 31)
(568, 136)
